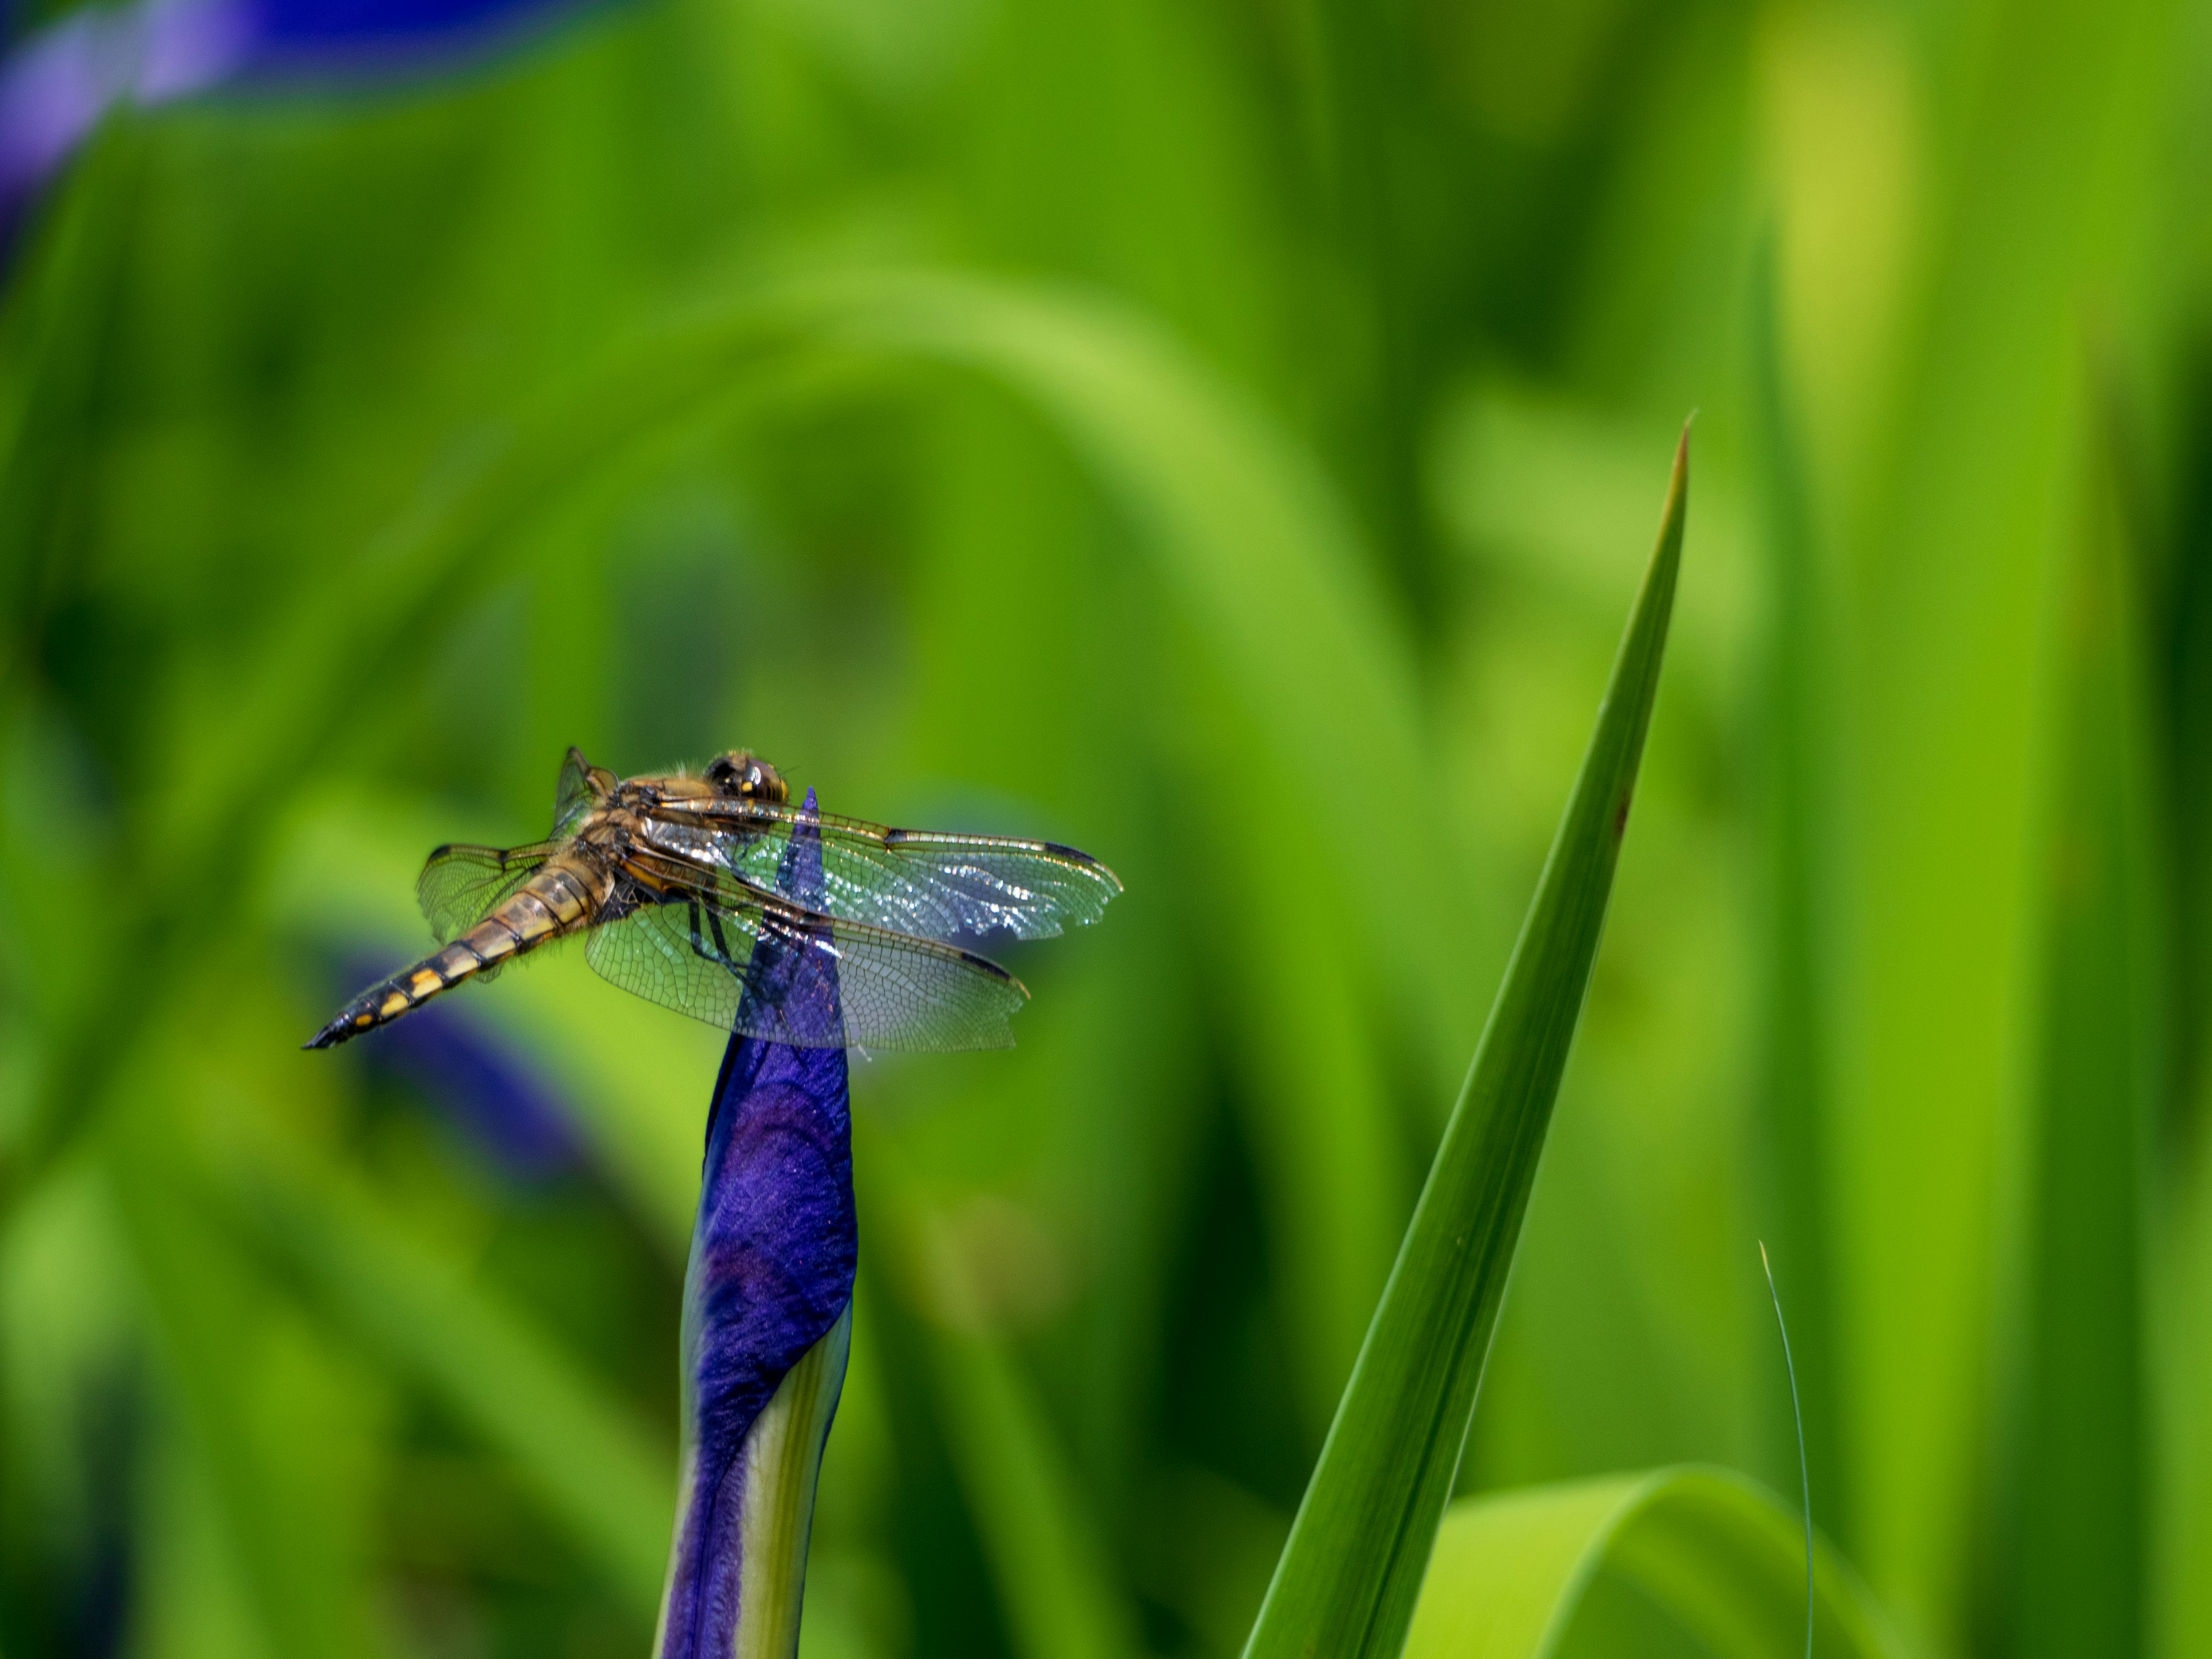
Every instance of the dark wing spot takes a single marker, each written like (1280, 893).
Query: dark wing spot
(991, 968)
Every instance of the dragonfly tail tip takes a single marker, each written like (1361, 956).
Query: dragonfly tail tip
(332, 1034)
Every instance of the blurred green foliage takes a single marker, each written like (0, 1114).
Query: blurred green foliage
(1224, 438)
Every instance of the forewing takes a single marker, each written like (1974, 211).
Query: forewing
(925, 882)
(580, 785)
(460, 884)
(818, 981)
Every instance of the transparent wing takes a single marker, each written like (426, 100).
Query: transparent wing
(460, 884)
(928, 882)
(580, 783)
(798, 976)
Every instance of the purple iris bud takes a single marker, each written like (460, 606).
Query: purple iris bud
(766, 1309)
(57, 86)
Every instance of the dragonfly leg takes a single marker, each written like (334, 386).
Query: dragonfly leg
(720, 950)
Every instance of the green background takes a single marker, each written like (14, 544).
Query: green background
(1225, 437)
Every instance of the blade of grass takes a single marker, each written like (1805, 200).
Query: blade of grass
(1798, 1416)
(1348, 1577)
(1721, 1555)
(1794, 1122)
(2075, 1560)
(2042, 203)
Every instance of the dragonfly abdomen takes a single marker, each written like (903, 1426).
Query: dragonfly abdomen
(387, 999)
(555, 902)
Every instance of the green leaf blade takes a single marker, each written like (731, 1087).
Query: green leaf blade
(1349, 1577)
(2073, 1564)
(1722, 1556)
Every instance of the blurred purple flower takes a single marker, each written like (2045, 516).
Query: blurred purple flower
(56, 85)
(767, 1311)
(484, 1086)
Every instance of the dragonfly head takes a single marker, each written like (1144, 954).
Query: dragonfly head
(744, 775)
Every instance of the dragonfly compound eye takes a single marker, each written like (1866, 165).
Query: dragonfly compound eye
(746, 776)
(767, 783)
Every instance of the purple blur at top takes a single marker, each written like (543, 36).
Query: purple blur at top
(328, 40)
(773, 1256)
(57, 86)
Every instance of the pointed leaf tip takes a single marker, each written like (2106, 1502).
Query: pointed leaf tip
(1678, 488)
(1346, 1582)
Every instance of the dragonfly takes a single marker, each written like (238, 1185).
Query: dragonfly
(676, 880)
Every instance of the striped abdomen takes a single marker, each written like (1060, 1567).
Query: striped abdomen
(558, 899)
